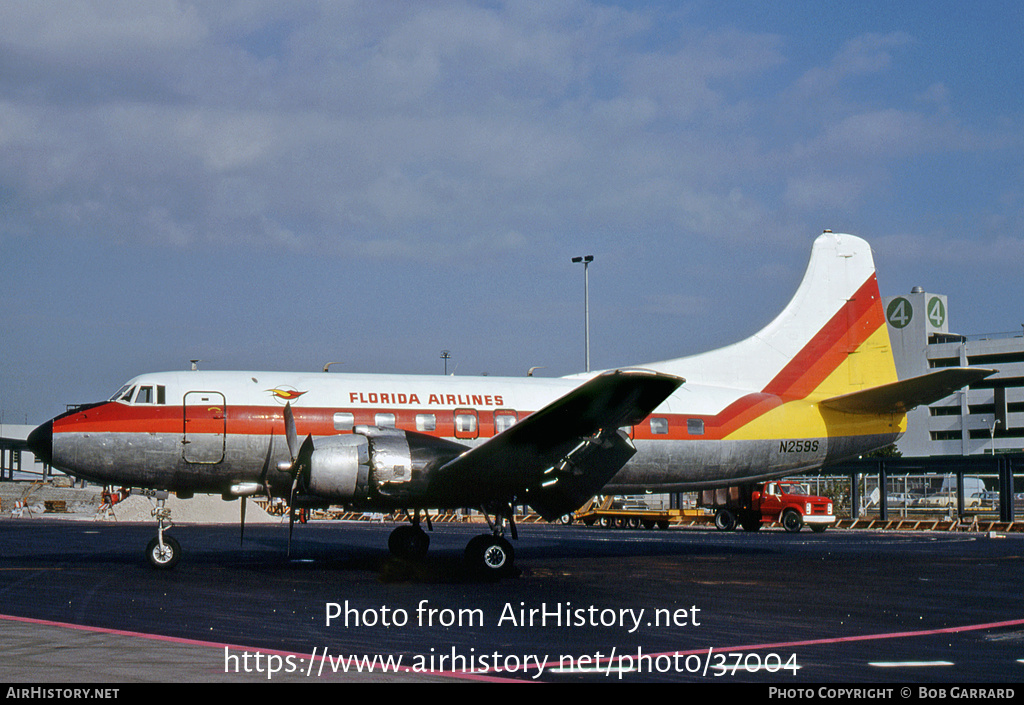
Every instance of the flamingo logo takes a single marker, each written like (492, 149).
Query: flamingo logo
(285, 393)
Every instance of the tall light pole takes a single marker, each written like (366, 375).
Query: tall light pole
(446, 355)
(586, 260)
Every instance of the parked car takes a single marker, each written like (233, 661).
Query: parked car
(898, 499)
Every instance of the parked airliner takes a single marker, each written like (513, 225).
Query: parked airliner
(817, 384)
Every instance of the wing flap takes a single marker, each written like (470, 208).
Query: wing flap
(559, 456)
(902, 396)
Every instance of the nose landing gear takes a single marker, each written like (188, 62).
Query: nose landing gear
(164, 551)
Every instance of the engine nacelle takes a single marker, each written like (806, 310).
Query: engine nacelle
(339, 467)
(373, 460)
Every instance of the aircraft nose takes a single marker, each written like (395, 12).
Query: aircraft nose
(40, 442)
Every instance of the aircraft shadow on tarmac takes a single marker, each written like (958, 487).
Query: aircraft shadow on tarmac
(324, 548)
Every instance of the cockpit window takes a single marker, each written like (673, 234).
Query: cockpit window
(146, 394)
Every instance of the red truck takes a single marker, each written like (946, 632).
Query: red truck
(783, 501)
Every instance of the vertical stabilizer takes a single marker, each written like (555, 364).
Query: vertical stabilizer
(831, 337)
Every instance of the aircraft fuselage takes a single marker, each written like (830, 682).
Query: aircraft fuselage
(223, 432)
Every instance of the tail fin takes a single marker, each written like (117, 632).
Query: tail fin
(830, 339)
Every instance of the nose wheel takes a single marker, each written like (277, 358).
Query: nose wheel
(163, 551)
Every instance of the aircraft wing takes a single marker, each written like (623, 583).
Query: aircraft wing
(563, 454)
(901, 396)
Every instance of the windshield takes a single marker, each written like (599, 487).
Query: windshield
(793, 489)
(123, 394)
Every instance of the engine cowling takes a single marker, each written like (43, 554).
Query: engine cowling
(339, 467)
(375, 461)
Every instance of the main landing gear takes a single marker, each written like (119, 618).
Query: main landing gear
(164, 551)
(411, 541)
(489, 556)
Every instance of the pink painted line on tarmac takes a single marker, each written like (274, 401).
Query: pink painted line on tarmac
(825, 641)
(861, 637)
(487, 676)
(123, 632)
(221, 645)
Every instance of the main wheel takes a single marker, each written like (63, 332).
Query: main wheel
(491, 556)
(166, 556)
(409, 542)
(792, 521)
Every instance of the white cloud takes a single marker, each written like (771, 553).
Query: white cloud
(426, 127)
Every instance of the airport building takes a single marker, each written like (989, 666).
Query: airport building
(988, 417)
(16, 461)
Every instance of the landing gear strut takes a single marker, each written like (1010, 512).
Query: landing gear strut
(164, 551)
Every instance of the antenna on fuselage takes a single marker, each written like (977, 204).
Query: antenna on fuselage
(332, 363)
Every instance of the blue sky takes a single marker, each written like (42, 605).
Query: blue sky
(267, 185)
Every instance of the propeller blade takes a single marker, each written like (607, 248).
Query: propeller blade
(300, 466)
(289, 429)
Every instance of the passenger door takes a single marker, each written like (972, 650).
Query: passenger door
(205, 427)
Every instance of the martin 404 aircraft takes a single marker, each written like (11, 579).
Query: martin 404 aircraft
(818, 384)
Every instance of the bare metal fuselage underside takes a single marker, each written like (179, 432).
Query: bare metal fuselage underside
(216, 464)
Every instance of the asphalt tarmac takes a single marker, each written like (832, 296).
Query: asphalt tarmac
(80, 604)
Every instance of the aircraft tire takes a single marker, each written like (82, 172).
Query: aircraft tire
(725, 520)
(490, 556)
(792, 521)
(410, 542)
(165, 558)
(818, 528)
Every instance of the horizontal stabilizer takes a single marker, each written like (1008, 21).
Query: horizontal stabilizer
(902, 396)
(14, 444)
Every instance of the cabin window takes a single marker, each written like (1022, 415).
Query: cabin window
(144, 396)
(426, 422)
(503, 420)
(384, 420)
(659, 426)
(695, 427)
(161, 394)
(465, 423)
(344, 421)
